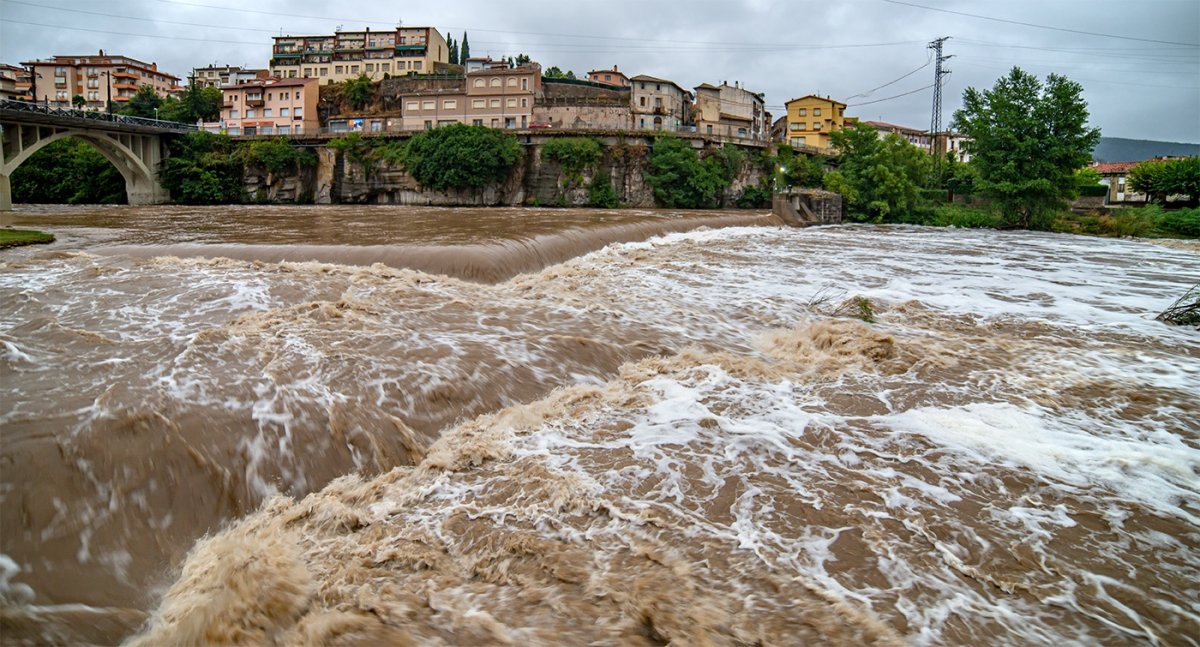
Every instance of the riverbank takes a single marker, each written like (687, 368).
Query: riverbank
(21, 237)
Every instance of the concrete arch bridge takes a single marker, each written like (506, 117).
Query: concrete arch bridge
(135, 146)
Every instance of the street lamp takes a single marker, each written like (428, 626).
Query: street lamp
(156, 114)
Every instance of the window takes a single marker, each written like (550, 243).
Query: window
(413, 105)
(297, 99)
(283, 112)
(816, 125)
(709, 130)
(476, 122)
(416, 65)
(267, 112)
(337, 69)
(376, 126)
(250, 113)
(297, 112)
(428, 125)
(524, 84)
(816, 112)
(796, 141)
(658, 87)
(284, 130)
(269, 97)
(233, 114)
(642, 101)
(607, 77)
(233, 131)
(385, 67)
(370, 67)
(479, 83)
(354, 69)
(524, 102)
(495, 103)
(512, 103)
(495, 83)
(802, 112)
(495, 123)
(291, 74)
(512, 82)
(308, 72)
(797, 126)
(449, 104)
(479, 103)
(428, 105)
(324, 71)
(267, 130)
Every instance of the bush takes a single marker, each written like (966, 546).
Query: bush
(680, 179)
(1094, 191)
(574, 154)
(755, 197)
(1182, 222)
(957, 215)
(277, 155)
(203, 169)
(461, 157)
(601, 193)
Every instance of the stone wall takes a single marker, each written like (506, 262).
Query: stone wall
(807, 207)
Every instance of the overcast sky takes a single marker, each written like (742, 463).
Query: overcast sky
(1139, 65)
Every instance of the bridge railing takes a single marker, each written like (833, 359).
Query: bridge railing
(93, 115)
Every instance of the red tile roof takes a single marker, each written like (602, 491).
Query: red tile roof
(1114, 167)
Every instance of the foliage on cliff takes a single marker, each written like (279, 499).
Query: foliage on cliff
(204, 168)
(68, 171)
(679, 177)
(461, 157)
(277, 155)
(574, 154)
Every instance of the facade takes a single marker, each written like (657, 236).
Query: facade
(270, 107)
(348, 54)
(215, 76)
(609, 77)
(956, 143)
(658, 104)
(810, 119)
(13, 82)
(581, 105)
(480, 63)
(499, 98)
(730, 111)
(1112, 175)
(918, 138)
(95, 78)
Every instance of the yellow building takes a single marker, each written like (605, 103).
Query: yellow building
(810, 119)
(347, 54)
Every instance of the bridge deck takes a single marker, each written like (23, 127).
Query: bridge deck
(24, 112)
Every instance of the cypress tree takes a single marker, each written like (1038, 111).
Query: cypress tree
(465, 51)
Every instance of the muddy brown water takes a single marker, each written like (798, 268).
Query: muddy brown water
(437, 426)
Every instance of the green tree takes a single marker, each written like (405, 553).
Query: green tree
(453, 47)
(204, 168)
(68, 171)
(358, 91)
(1159, 179)
(1027, 141)
(143, 103)
(879, 179)
(464, 51)
(195, 103)
(461, 157)
(522, 59)
(554, 73)
(78, 101)
(680, 178)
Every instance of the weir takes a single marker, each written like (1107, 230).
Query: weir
(807, 207)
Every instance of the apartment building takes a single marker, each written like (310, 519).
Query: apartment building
(498, 98)
(658, 104)
(13, 82)
(609, 77)
(270, 107)
(914, 136)
(96, 78)
(215, 76)
(348, 54)
(479, 63)
(811, 118)
(730, 111)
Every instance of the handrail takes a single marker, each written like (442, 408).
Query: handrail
(92, 115)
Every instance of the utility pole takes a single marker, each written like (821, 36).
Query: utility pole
(935, 122)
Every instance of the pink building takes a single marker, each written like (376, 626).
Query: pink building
(271, 107)
(609, 77)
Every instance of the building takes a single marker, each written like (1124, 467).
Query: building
(480, 63)
(581, 105)
(1112, 175)
(270, 107)
(498, 98)
(609, 77)
(658, 104)
(730, 111)
(779, 130)
(914, 136)
(95, 78)
(215, 76)
(811, 118)
(955, 143)
(14, 82)
(348, 54)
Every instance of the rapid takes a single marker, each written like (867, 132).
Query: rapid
(337, 425)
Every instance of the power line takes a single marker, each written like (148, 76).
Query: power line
(153, 20)
(124, 33)
(868, 92)
(1030, 24)
(867, 103)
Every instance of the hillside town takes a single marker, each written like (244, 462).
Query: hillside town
(422, 82)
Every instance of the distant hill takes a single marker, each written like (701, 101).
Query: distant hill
(1117, 149)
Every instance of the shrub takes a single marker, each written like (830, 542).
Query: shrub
(1182, 222)
(680, 179)
(957, 215)
(461, 157)
(203, 169)
(575, 154)
(277, 155)
(601, 193)
(755, 197)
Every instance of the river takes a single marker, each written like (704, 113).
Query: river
(437, 426)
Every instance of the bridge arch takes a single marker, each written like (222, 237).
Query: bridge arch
(135, 149)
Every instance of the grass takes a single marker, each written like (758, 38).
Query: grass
(18, 237)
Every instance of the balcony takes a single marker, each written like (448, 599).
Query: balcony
(254, 101)
(125, 86)
(126, 75)
(659, 110)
